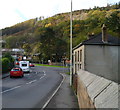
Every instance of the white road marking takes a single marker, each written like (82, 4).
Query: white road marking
(11, 89)
(42, 76)
(26, 74)
(43, 71)
(31, 82)
(44, 106)
(26, 83)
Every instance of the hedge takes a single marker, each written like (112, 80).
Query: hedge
(7, 62)
(5, 65)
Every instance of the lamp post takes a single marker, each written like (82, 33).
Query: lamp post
(71, 45)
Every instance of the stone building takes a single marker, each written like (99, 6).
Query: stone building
(96, 64)
(99, 55)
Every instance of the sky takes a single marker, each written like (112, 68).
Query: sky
(16, 11)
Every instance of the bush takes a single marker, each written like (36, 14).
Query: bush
(10, 58)
(8, 55)
(5, 65)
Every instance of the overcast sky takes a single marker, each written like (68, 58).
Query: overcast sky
(16, 11)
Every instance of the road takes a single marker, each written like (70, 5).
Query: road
(33, 90)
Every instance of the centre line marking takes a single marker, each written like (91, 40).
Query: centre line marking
(11, 89)
(26, 83)
(44, 72)
(31, 82)
(42, 76)
(26, 74)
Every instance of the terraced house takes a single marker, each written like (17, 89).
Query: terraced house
(96, 62)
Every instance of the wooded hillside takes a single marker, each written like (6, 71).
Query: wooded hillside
(50, 37)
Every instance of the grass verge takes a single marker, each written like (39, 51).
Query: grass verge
(50, 65)
(67, 73)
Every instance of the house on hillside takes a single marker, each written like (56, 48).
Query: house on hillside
(98, 55)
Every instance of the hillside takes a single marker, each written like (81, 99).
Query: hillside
(50, 37)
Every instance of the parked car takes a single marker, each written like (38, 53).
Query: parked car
(17, 63)
(15, 72)
(32, 65)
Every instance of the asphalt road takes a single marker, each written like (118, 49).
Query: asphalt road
(33, 90)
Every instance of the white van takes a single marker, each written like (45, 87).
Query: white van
(24, 65)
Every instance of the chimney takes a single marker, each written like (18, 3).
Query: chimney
(104, 34)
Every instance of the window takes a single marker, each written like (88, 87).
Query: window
(15, 70)
(75, 56)
(80, 55)
(80, 66)
(24, 64)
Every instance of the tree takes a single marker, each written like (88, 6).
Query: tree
(27, 48)
(47, 40)
(113, 22)
(9, 42)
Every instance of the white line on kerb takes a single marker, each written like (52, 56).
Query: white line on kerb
(11, 89)
(44, 106)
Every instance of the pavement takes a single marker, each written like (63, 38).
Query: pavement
(4, 75)
(65, 97)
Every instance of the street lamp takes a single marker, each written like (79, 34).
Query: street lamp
(71, 45)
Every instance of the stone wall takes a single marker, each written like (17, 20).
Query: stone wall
(96, 92)
(83, 97)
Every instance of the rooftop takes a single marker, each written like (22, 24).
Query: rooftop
(97, 40)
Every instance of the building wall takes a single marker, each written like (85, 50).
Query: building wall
(95, 84)
(78, 59)
(102, 61)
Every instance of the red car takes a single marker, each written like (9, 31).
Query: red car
(31, 65)
(17, 63)
(16, 72)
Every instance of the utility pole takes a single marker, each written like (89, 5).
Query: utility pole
(71, 45)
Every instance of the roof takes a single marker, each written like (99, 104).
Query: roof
(97, 40)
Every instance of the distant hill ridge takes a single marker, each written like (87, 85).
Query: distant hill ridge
(32, 34)
(77, 15)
